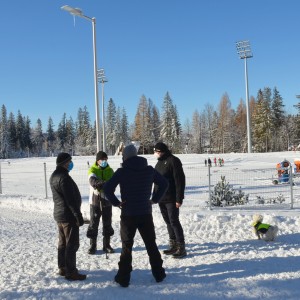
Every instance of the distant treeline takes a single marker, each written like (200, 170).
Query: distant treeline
(213, 130)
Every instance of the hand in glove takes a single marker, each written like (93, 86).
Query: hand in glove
(79, 219)
(121, 204)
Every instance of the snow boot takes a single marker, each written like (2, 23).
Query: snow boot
(61, 272)
(106, 245)
(75, 276)
(172, 248)
(93, 247)
(180, 250)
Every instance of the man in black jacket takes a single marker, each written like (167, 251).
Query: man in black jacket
(136, 179)
(67, 214)
(170, 167)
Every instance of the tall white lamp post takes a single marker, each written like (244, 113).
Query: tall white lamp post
(78, 12)
(102, 79)
(244, 51)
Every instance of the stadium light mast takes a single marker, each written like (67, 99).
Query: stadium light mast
(77, 12)
(244, 51)
(102, 79)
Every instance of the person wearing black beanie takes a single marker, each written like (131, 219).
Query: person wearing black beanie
(170, 167)
(63, 158)
(67, 214)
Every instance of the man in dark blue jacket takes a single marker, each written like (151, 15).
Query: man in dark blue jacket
(67, 214)
(136, 179)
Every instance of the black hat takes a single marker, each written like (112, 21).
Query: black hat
(63, 158)
(101, 155)
(161, 147)
(129, 151)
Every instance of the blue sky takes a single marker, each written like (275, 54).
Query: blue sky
(146, 47)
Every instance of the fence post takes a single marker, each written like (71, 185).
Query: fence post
(45, 175)
(0, 179)
(291, 185)
(209, 187)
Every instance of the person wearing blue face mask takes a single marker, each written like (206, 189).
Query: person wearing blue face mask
(99, 173)
(67, 214)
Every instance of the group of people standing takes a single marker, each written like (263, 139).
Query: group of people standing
(219, 161)
(135, 179)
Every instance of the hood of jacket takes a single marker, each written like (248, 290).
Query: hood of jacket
(135, 163)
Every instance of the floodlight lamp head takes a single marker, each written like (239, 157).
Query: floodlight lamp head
(72, 11)
(101, 76)
(244, 49)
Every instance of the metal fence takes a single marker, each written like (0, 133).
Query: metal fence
(31, 177)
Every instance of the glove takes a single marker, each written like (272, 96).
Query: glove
(121, 204)
(79, 219)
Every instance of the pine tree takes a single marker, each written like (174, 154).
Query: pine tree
(142, 123)
(70, 136)
(62, 133)
(196, 133)
(12, 134)
(176, 131)
(224, 122)
(110, 126)
(267, 94)
(240, 128)
(166, 120)
(211, 124)
(83, 133)
(50, 137)
(20, 133)
(4, 137)
(262, 121)
(278, 118)
(170, 132)
(38, 138)
(156, 124)
(187, 136)
(124, 128)
(27, 138)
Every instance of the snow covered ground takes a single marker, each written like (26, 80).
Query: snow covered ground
(225, 260)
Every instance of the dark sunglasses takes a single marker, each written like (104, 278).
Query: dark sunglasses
(155, 150)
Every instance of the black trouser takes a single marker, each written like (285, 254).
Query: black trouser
(68, 244)
(170, 214)
(144, 224)
(95, 214)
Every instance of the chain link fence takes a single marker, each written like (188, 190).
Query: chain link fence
(31, 177)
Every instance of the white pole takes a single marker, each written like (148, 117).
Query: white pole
(103, 119)
(209, 187)
(45, 176)
(248, 109)
(98, 134)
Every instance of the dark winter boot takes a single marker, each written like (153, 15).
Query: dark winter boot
(172, 248)
(106, 245)
(180, 250)
(93, 247)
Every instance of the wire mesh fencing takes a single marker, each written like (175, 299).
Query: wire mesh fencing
(31, 177)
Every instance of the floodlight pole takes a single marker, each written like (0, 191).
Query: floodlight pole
(244, 51)
(78, 12)
(102, 79)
